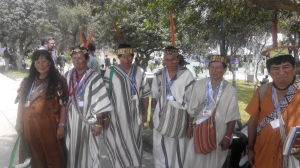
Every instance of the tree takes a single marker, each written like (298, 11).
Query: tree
(22, 22)
(292, 5)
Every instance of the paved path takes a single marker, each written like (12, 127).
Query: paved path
(8, 112)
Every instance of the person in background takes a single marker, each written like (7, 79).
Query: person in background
(115, 61)
(93, 62)
(44, 43)
(48, 44)
(274, 109)
(7, 57)
(102, 70)
(52, 49)
(107, 62)
(88, 111)
(42, 112)
(128, 92)
(265, 80)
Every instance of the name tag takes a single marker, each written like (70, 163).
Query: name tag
(206, 113)
(134, 97)
(27, 103)
(170, 98)
(80, 103)
(201, 119)
(275, 123)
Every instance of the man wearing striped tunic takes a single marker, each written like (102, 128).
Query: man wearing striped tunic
(170, 88)
(129, 91)
(87, 110)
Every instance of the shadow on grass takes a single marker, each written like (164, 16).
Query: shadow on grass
(13, 73)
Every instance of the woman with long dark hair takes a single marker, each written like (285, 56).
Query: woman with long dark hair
(41, 113)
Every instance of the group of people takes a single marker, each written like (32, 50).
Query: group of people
(60, 118)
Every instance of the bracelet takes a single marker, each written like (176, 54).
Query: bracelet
(98, 125)
(228, 137)
(61, 124)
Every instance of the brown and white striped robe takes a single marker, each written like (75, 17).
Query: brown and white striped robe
(83, 147)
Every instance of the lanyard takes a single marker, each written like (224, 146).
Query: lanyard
(133, 89)
(275, 101)
(31, 90)
(79, 88)
(210, 92)
(169, 84)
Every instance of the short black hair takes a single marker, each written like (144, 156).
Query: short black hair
(124, 46)
(279, 60)
(91, 47)
(171, 48)
(46, 39)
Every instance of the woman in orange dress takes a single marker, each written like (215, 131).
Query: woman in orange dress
(41, 113)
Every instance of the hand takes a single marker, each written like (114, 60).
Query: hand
(251, 156)
(96, 130)
(60, 132)
(225, 143)
(190, 131)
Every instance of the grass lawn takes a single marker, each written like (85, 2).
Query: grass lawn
(14, 74)
(245, 91)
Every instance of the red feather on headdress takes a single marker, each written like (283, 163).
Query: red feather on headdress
(172, 27)
(85, 42)
(82, 38)
(89, 39)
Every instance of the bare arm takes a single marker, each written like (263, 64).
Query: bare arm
(61, 125)
(225, 143)
(252, 125)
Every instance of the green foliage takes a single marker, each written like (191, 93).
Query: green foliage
(197, 70)
(144, 23)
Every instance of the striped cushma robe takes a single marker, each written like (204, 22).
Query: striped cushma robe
(83, 147)
(169, 152)
(124, 135)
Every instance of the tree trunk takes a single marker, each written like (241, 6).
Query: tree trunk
(20, 55)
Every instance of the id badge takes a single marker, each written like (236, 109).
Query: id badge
(80, 103)
(206, 113)
(201, 119)
(170, 98)
(275, 123)
(134, 97)
(27, 103)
